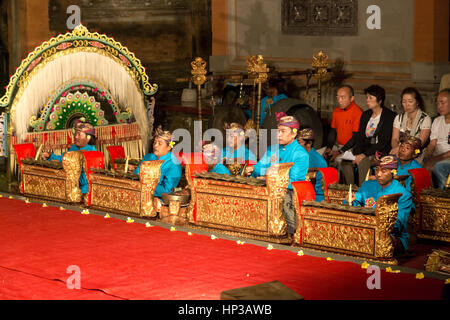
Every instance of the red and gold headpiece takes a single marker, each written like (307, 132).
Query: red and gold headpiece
(83, 126)
(235, 128)
(306, 134)
(389, 162)
(211, 152)
(289, 121)
(414, 142)
(165, 135)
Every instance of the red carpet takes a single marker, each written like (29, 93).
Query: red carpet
(120, 260)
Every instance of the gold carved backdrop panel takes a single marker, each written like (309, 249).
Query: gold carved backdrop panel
(348, 230)
(125, 195)
(338, 230)
(434, 219)
(118, 197)
(73, 164)
(56, 184)
(232, 211)
(241, 206)
(340, 236)
(149, 176)
(44, 183)
(386, 215)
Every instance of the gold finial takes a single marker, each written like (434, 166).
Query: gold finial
(198, 71)
(80, 30)
(251, 61)
(320, 64)
(257, 68)
(250, 124)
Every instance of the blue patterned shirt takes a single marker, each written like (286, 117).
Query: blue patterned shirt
(83, 181)
(170, 172)
(292, 152)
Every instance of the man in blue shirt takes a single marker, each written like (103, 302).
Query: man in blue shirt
(274, 91)
(235, 149)
(409, 150)
(171, 167)
(212, 155)
(306, 140)
(85, 141)
(287, 150)
(385, 184)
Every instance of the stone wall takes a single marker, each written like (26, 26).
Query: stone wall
(392, 56)
(4, 56)
(164, 35)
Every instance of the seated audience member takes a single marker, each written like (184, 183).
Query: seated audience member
(438, 151)
(412, 122)
(409, 150)
(213, 158)
(235, 149)
(306, 140)
(385, 184)
(287, 150)
(344, 122)
(374, 134)
(274, 90)
(170, 169)
(85, 141)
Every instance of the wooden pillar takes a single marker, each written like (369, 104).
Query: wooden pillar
(28, 27)
(431, 30)
(38, 29)
(219, 20)
(14, 34)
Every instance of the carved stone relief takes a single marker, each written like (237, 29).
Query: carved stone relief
(320, 17)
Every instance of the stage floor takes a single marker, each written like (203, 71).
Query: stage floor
(45, 249)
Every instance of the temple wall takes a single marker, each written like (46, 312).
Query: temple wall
(164, 35)
(410, 49)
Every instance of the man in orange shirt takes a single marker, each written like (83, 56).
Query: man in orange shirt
(344, 122)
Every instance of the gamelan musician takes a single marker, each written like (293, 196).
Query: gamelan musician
(84, 136)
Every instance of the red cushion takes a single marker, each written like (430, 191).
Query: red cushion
(196, 168)
(24, 151)
(179, 156)
(422, 179)
(116, 152)
(330, 176)
(304, 191)
(193, 158)
(94, 160)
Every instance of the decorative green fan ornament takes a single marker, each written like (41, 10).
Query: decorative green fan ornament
(76, 103)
